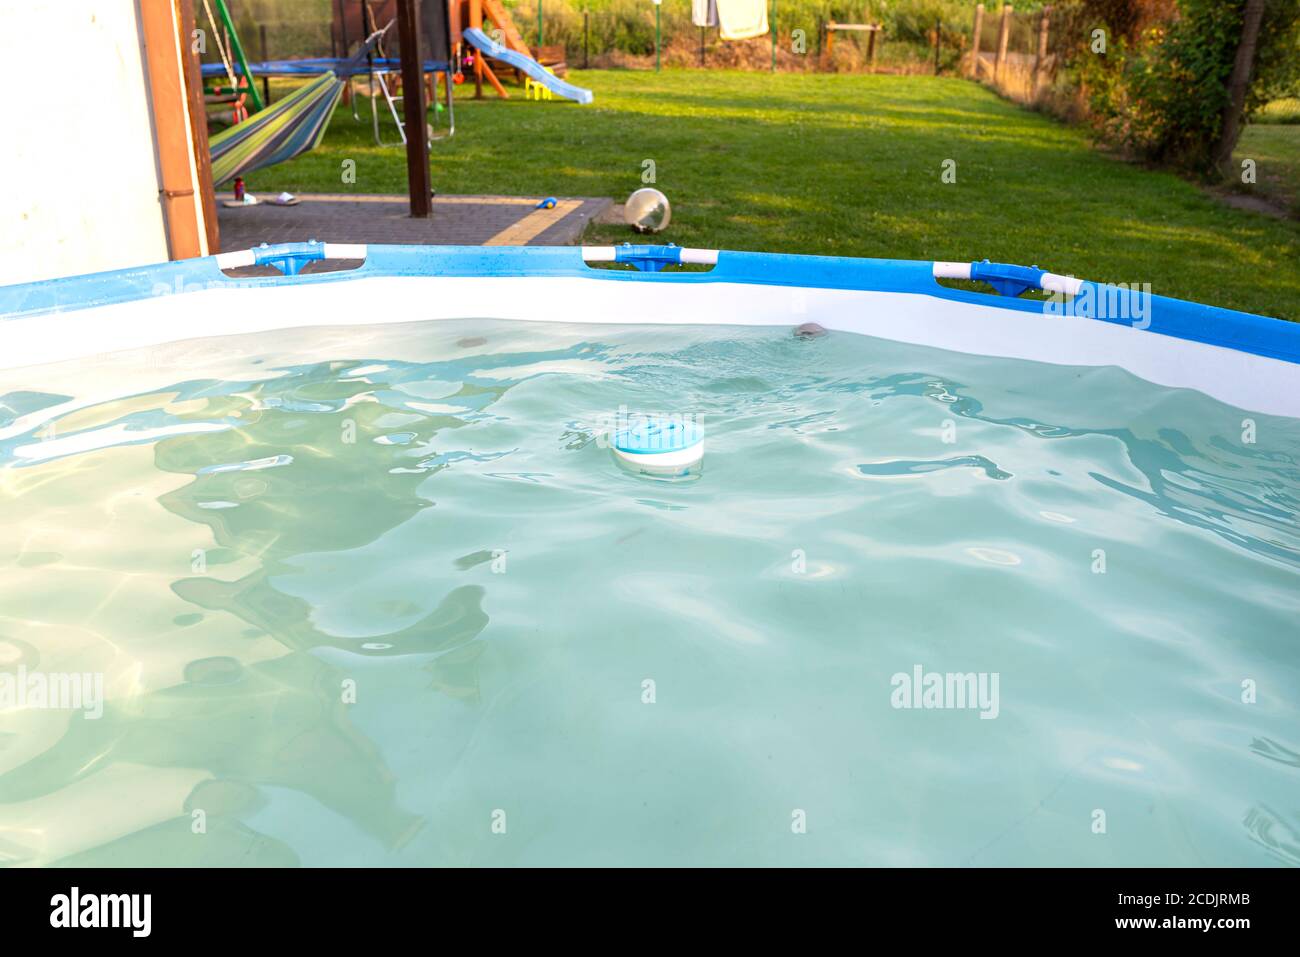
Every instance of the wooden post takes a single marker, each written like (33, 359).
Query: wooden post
(343, 43)
(871, 47)
(266, 82)
(476, 20)
(198, 117)
(417, 139)
(1004, 30)
(496, 84)
(975, 41)
(938, 44)
(1042, 50)
(182, 209)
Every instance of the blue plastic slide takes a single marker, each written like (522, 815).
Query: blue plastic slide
(526, 63)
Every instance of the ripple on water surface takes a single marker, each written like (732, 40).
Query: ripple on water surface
(351, 592)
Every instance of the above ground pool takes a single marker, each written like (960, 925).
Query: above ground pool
(512, 556)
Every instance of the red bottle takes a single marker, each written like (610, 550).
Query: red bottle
(239, 189)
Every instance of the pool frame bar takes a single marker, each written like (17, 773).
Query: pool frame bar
(1244, 359)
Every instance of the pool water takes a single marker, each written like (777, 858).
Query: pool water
(383, 596)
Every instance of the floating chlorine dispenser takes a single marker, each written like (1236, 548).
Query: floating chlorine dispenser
(660, 445)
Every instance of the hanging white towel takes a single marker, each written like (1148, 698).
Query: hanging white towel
(742, 19)
(704, 13)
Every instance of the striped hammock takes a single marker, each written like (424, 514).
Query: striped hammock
(294, 125)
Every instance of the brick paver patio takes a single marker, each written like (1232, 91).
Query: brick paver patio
(460, 220)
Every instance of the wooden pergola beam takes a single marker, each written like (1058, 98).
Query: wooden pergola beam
(179, 164)
(417, 140)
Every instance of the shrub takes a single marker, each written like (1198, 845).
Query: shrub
(1162, 86)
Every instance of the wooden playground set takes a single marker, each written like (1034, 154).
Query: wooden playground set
(357, 20)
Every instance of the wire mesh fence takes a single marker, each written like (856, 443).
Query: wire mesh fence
(1016, 51)
(808, 35)
(274, 29)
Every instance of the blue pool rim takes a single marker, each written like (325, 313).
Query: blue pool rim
(1211, 325)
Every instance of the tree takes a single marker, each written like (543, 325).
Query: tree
(1189, 91)
(1242, 67)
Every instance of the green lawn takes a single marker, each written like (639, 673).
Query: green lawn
(1275, 148)
(845, 165)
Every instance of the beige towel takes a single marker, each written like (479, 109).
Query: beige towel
(742, 19)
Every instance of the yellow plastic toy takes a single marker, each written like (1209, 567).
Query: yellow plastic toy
(535, 91)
